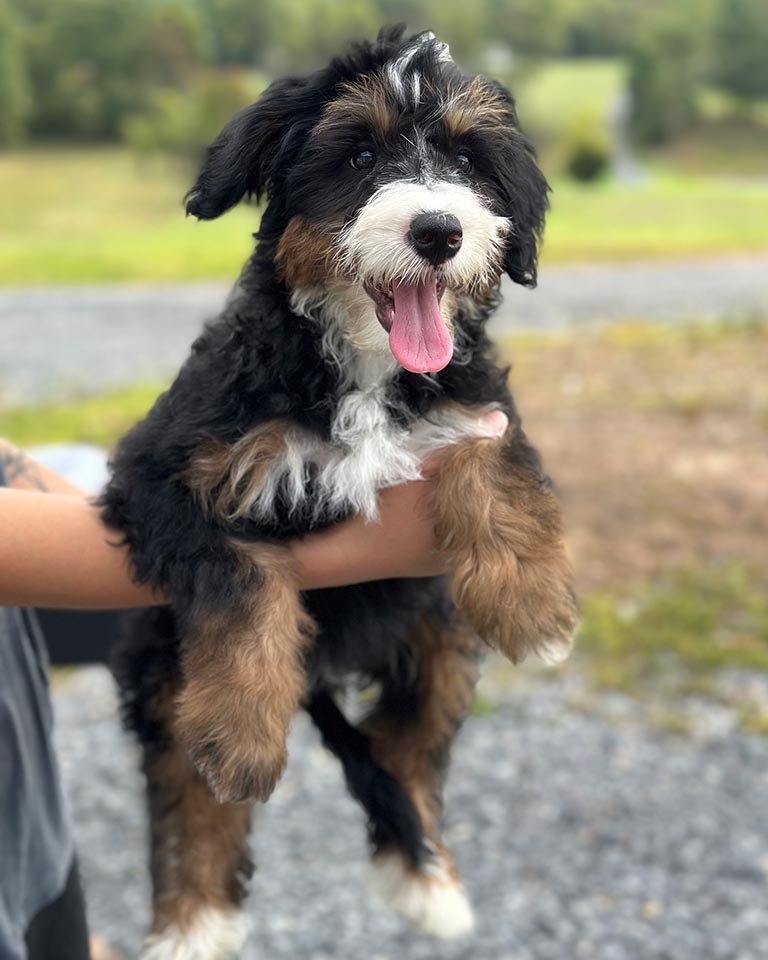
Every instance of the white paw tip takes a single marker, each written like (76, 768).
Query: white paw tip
(553, 652)
(433, 901)
(215, 935)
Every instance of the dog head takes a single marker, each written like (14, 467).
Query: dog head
(398, 188)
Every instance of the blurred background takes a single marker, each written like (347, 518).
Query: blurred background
(613, 808)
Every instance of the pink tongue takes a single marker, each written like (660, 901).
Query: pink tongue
(419, 338)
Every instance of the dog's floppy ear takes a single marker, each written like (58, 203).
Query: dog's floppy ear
(524, 193)
(529, 195)
(241, 160)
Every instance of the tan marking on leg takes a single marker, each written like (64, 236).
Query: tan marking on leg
(500, 531)
(226, 479)
(203, 846)
(200, 860)
(305, 253)
(244, 677)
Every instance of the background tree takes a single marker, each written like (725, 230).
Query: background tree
(177, 44)
(529, 26)
(741, 48)
(241, 32)
(91, 69)
(666, 62)
(307, 32)
(15, 102)
(84, 57)
(601, 28)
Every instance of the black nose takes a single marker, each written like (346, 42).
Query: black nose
(436, 236)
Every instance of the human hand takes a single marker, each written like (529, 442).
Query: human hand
(400, 544)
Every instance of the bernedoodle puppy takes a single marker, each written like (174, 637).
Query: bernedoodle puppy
(398, 192)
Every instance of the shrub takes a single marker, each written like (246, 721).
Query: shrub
(665, 61)
(15, 101)
(587, 148)
(184, 123)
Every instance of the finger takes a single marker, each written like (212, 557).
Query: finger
(495, 423)
(489, 426)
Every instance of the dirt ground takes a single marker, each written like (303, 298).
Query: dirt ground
(657, 441)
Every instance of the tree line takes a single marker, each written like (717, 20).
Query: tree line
(101, 70)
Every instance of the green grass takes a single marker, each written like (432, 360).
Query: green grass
(82, 215)
(99, 214)
(673, 636)
(96, 215)
(98, 419)
(667, 215)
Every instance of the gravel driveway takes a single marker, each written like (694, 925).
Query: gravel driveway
(59, 341)
(581, 831)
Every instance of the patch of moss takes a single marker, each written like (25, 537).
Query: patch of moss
(483, 706)
(672, 636)
(755, 721)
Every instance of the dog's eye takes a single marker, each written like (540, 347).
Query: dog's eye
(363, 159)
(463, 162)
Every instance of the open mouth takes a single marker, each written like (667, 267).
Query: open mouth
(410, 313)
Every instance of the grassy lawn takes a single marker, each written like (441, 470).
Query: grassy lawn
(656, 439)
(99, 214)
(667, 215)
(94, 215)
(97, 419)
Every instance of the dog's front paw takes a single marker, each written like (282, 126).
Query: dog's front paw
(236, 776)
(240, 762)
(519, 606)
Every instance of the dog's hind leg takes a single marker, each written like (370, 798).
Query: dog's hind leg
(412, 729)
(395, 765)
(199, 855)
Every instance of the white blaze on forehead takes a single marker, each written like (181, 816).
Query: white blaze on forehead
(375, 246)
(401, 77)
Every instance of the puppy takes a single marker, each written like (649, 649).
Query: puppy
(353, 345)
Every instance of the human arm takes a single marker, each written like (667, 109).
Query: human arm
(401, 544)
(21, 472)
(55, 551)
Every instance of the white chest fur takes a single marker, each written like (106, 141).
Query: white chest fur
(367, 452)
